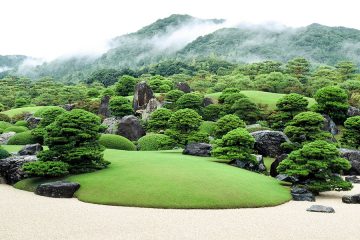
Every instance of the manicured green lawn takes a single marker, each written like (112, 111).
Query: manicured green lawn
(12, 148)
(15, 111)
(268, 161)
(261, 97)
(169, 179)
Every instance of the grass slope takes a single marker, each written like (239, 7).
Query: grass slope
(261, 97)
(15, 111)
(169, 179)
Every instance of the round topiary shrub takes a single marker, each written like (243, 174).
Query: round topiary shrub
(227, 123)
(21, 123)
(4, 125)
(40, 112)
(155, 142)
(208, 127)
(17, 129)
(113, 141)
(4, 153)
(22, 138)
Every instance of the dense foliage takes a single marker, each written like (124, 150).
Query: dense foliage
(155, 142)
(351, 136)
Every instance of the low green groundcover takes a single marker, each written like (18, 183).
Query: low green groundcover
(169, 179)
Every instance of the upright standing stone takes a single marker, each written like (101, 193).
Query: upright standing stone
(104, 107)
(142, 96)
(183, 86)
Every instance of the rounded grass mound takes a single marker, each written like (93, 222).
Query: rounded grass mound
(169, 179)
(113, 141)
(155, 142)
(4, 125)
(22, 138)
(21, 123)
(17, 129)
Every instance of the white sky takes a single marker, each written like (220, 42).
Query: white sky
(51, 28)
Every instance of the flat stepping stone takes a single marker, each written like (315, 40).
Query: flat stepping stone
(320, 208)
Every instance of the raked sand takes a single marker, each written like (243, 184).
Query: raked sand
(26, 216)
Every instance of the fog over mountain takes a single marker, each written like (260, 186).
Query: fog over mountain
(184, 37)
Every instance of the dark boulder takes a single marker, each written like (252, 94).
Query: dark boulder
(351, 199)
(183, 86)
(302, 194)
(354, 158)
(353, 111)
(111, 124)
(131, 128)
(198, 149)
(31, 149)
(329, 125)
(286, 178)
(10, 168)
(267, 142)
(259, 167)
(58, 189)
(4, 138)
(353, 179)
(104, 107)
(275, 164)
(32, 121)
(142, 96)
(320, 208)
(69, 106)
(207, 101)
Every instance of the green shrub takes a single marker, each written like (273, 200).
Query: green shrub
(125, 85)
(4, 117)
(351, 136)
(155, 142)
(73, 138)
(5, 125)
(199, 137)
(120, 106)
(246, 110)
(46, 169)
(318, 164)
(159, 120)
(17, 129)
(22, 138)
(4, 153)
(113, 141)
(208, 127)
(190, 100)
(332, 101)
(21, 123)
(48, 115)
(20, 116)
(226, 124)
(235, 145)
(226, 92)
(212, 112)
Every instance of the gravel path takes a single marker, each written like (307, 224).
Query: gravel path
(26, 216)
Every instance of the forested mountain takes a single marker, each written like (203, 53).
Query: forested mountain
(10, 62)
(184, 38)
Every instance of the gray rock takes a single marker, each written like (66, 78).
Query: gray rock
(151, 106)
(58, 189)
(329, 125)
(351, 199)
(32, 121)
(69, 107)
(302, 194)
(353, 179)
(286, 178)
(259, 167)
(130, 127)
(354, 157)
(104, 107)
(353, 111)
(207, 101)
(275, 164)
(31, 149)
(112, 124)
(267, 142)
(198, 149)
(4, 138)
(320, 208)
(10, 168)
(142, 96)
(183, 86)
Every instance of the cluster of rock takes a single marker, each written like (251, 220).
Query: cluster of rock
(198, 149)
(258, 167)
(11, 173)
(4, 138)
